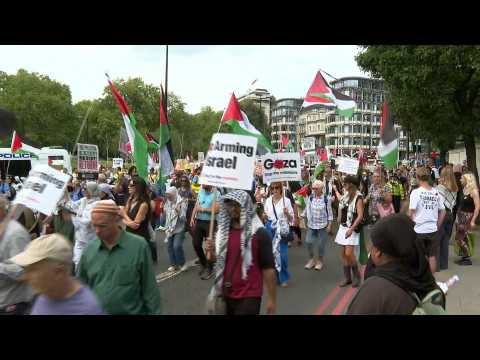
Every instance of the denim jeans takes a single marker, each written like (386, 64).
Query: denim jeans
(175, 249)
(316, 238)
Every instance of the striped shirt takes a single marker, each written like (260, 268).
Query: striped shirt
(449, 197)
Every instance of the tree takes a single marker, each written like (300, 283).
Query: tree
(256, 116)
(43, 107)
(434, 90)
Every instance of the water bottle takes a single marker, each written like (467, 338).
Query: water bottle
(446, 285)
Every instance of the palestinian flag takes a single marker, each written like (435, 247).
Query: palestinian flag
(137, 142)
(320, 93)
(16, 142)
(388, 146)
(239, 123)
(165, 142)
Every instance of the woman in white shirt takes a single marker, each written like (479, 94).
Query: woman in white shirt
(279, 211)
(448, 190)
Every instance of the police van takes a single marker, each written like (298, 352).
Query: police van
(21, 162)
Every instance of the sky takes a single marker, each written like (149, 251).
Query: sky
(202, 75)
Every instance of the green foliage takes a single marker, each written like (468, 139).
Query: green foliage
(257, 117)
(434, 90)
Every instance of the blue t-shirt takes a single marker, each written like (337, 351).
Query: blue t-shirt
(205, 201)
(83, 302)
(4, 188)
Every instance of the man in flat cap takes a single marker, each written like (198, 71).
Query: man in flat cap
(118, 267)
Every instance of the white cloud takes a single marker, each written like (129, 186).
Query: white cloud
(200, 75)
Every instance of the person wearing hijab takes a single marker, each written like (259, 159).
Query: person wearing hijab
(244, 258)
(82, 221)
(401, 269)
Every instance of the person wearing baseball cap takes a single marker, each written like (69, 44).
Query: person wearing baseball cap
(47, 262)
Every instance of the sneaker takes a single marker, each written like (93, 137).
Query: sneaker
(172, 268)
(310, 264)
(284, 285)
(319, 266)
(184, 267)
(208, 275)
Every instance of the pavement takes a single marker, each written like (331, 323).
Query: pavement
(311, 292)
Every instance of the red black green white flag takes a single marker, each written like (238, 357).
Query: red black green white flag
(320, 93)
(165, 143)
(388, 146)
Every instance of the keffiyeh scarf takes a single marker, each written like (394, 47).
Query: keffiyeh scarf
(247, 222)
(345, 202)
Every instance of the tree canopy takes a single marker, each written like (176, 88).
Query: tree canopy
(434, 90)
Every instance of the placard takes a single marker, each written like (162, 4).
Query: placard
(348, 166)
(117, 163)
(87, 158)
(308, 143)
(281, 167)
(230, 162)
(43, 189)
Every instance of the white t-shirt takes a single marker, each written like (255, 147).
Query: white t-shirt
(427, 204)
(268, 208)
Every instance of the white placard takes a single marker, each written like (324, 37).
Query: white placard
(43, 189)
(281, 167)
(201, 156)
(230, 162)
(308, 143)
(348, 166)
(117, 162)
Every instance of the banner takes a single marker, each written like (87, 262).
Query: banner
(230, 162)
(348, 166)
(281, 167)
(43, 189)
(87, 158)
(117, 163)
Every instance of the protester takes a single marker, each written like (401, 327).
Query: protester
(136, 214)
(118, 267)
(84, 231)
(385, 208)
(467, 215)
(376, 195)
(427, 210)
(15, 295)
(448, 190)
(77, 192)
(350, 214)
(401, 268)
(280, 214)
(175, 225)
(200, 224)
(152, 176)
(4, 188)
(319, 215)
(48, 264)
(102, 179)
(104, 192)
(12, 191)
(186, 192)
(244, 258)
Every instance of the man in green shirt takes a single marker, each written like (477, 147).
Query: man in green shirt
(118, 267)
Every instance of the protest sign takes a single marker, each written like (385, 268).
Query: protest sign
(281, 167)
(201, 156)
(117, 162)
(43, 189)
(87, 158)
(230, 162)
(308, 143)
(348, 166)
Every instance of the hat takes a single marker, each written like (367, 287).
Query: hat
(106, 207)
(53, 246)
(105, 188)
(171, 190)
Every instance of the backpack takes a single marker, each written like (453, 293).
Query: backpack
(432, 304)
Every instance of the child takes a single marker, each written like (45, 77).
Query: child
(385, 208)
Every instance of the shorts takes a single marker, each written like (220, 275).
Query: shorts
(430, 242)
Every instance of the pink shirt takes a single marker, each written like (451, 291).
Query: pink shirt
(385, 211)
